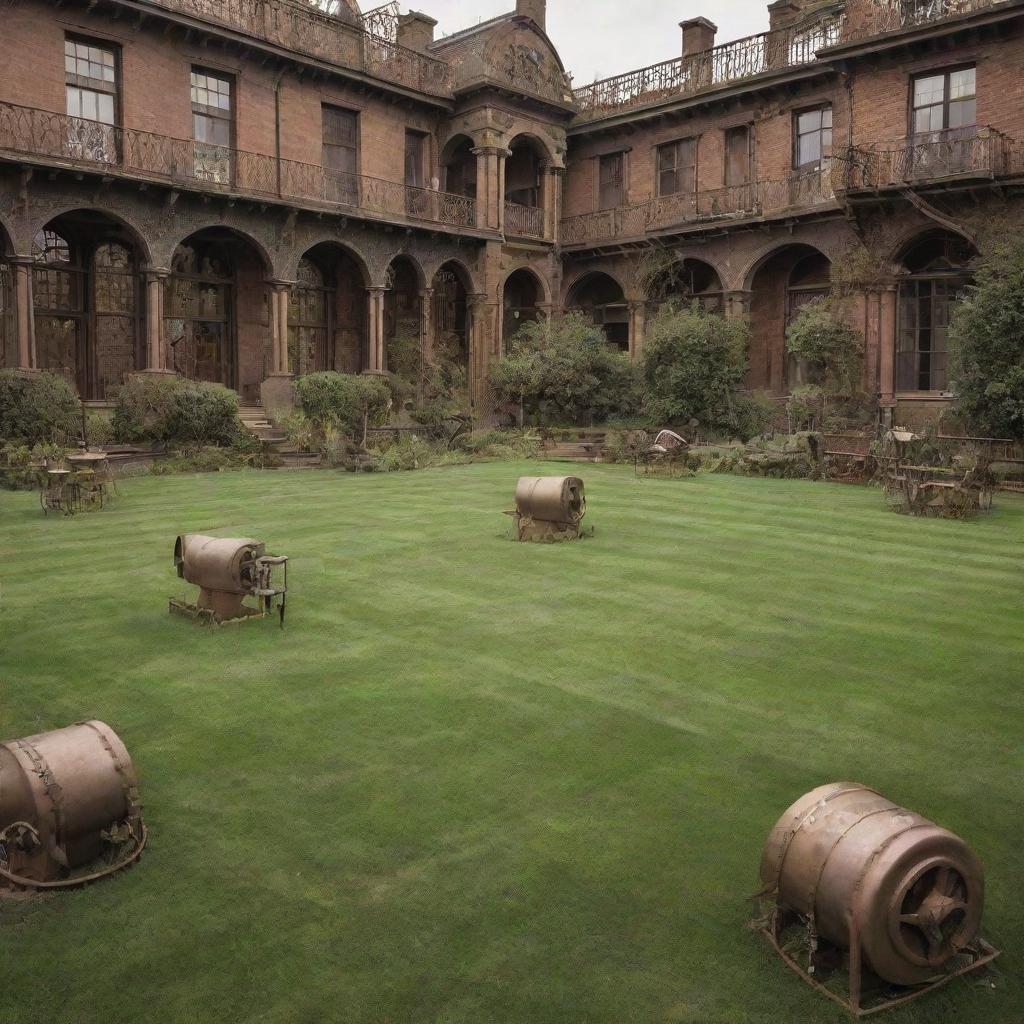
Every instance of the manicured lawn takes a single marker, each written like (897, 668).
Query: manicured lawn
(475, 782)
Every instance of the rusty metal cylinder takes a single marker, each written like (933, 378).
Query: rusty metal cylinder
(225, 566)
(551, 499)
(60, 792)
(844, 855)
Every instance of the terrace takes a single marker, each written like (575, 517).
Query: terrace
(797, 194)
(769, 52)
(79, 144)
(305, 29)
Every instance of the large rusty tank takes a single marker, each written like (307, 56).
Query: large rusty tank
(549, 507)
(854, 864)
(227, 571)
(69, 807)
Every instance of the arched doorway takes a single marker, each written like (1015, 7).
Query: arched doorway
(601, 300)
(8, 330)
(520, 303)
(216, 312)
(935, 270)
(403, 321)
(87, 302)
(524, 188)
(784, 282)
(685, 282)
(450, 317)
(460, 168)
(327, 313)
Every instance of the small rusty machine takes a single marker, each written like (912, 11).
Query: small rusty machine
(227, 572)
(856, 883)
(69, 808)
(549, 508)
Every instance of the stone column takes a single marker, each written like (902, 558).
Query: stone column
(637, 328)
(157, 360)
(490, 186)
(737, 304)
(553, 203)
(478, 311)
(280, 292)
(426, 329)
(887, 349)
(25, 323)
(375, 346)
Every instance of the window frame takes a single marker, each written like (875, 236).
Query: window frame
(424, 158)
(326, 146)
(620, 155)
(946, 75)
(798, 136)
(727, 133)
(214, 113)
(676, 147)
(94, 85)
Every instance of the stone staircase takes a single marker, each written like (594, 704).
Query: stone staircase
(274, 439)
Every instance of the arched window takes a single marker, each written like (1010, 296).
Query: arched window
(308, 316)
(521, 302)
(58, 294)
(600, 298)
(198, 309)
(937, 270)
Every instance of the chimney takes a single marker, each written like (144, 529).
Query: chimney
(535, 9)
(416, 31)
(698, 35)
(782, 14)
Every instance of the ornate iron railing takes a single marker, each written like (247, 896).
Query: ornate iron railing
(963, 152)
(524, 221)
(70, 141)
(308, 30)
(730, 62)
(796, 194)
(881, 18)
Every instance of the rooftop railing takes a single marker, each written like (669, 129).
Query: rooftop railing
(73, 142)
(730, 62)
(308, 30)
(524, 221)
(770, 51)
(793, 195)
(977, 152)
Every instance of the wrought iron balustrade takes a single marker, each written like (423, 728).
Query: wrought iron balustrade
(796, 194)
(73, 142)
(978, 152)
(901, 15)
(524, 221)
(310, 31)
(730, 62)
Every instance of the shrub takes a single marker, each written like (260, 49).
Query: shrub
(693, 362)
(987, 343)
(344, 400)
(99, 428)
(21, 464)
(829, 346)
(564, 370)
(38, 408)
(170, 410)
(805, 407)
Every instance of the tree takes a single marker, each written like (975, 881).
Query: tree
(563, 369)
(986, 334)
(693, 362)
(829, 346)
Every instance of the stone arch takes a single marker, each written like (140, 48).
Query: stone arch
(450, 318)
(142, 244)
(544, 287)
(780, 282)
(601, 298)
(306, 243)
(687, 279)
(523, 294)
(570, 283)
(431, 268)
(171, 243)
(771, 250)
(404, 283)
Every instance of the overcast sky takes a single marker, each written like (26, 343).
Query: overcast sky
(600, 38)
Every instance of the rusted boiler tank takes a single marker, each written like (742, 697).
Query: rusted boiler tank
(549, 508)
(69, 807)
(897, 894)
(227, 572)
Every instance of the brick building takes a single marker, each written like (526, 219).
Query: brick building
(243, 190)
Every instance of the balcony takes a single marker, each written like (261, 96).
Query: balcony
(56, 139)
(524, 221)
(712, 69)
(303, 29)
(905, 15)
(798, 194)
(961, 154)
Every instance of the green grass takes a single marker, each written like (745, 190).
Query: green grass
(474, 781)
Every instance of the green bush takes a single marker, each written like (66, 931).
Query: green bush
(21, 464)
(99, 428)
(829, 346)
(693, 362)
(564, 371)
(170, 410)
(986, 334)
(344, 400)
(38, 408)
